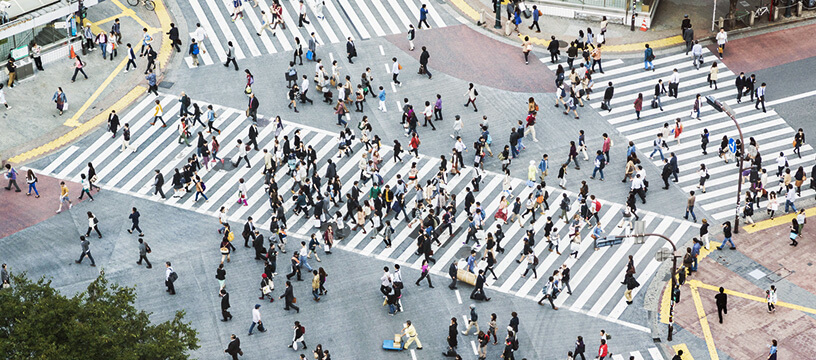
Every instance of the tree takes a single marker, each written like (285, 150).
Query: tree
(732, 12)
(36, 321)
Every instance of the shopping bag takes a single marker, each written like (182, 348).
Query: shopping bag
(310, 55)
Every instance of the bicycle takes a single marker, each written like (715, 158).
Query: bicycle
(760, 11)
(148, 4)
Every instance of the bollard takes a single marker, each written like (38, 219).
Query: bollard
(799, 9)
(721, 22)
(776, 14)
(751, 19)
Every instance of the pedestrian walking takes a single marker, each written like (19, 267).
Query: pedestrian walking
(3, 98)
(608, 93)
(11, 176)
(688, 37)
(234, 347)
(289, 296)
(31, 180)
(78, 68)
(11, 67)
(713, 72)
(648, 57)
(470, 96)
(410, 331)
(395, 70)
(86, 251)
(726, 229)
(60, 99)
(231, 54)
(225, 305)
(64, 198)
(194, 50)
(170, 278)
(36, 55)
(674, 83)
(144, 249)
(256, 320)
(770, 298)
(760, 97)
(722, 38)
(134, 219)
(423, 63)
(425, 273)
(299, 336)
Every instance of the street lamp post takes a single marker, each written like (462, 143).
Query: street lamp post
(497, 9)
(640, 239)
(722, 107)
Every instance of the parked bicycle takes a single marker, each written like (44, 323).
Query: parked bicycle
(148, 4)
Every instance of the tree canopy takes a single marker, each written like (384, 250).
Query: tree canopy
(36, 321)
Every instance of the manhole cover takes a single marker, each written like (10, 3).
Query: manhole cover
(757, 274)
(166, 84)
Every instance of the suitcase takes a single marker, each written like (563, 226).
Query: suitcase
(525, 11)
(466, 276)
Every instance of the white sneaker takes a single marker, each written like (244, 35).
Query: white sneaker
(125, 70)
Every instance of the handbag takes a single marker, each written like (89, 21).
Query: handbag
(266, 289)
(294, 300)
(224, 250)
(793, 235)
(248, 90)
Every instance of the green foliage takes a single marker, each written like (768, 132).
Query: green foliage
(37, 322)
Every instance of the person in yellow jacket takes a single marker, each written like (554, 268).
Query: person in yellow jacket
(64, 197)
(316, 285)
(158, 114)
(410, 331)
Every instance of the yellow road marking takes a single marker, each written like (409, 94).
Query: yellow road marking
(686, 353)
(760, 299)
(164, 20)
(109, 19)
(665, 303)
(467, 9)
(698, 304)
(74, 120)
(129, 12)
(781, 220)
(81, 129)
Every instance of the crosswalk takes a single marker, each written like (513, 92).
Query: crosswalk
(771, 132)
(649, 354)
(596, 275)
(339, 20)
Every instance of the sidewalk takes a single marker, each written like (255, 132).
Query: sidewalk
(763, 258)
(90, 100)
(664, 31)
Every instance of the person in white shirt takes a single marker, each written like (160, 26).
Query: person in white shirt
(242, 154)
(697, 54)
(304, 88)
(395, 70)
(302, 15)
(385, 281)
(169, 278)
(722, 38)
(637, 187)
(256, 319)
(199, 35)
(428, 115)
(674, 82)
(460, 147)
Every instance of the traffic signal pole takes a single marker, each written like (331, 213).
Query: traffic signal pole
(722, 107)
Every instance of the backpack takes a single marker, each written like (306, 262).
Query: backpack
(597, 206)
(535, 260)
(230, 236)
(303, 329)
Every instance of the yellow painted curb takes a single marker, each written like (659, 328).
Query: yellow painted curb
(164, 20)
(698, 304)
(466, 9)
(81, 129)
(781, 220)
(761, 299)
(641, 46)
(74, 120)
(686, 353)
(665, 303)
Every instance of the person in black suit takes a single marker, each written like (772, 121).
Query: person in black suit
(740, 84)
(351, 50)
(452, 271)
(249, 231)
(225, 304)
(666, 173)
(722, 303)
(258, 244)
(253, 136)
(234, 347)
(158, 182)
(252, 108)
(750, 84)
(479, 288)
(289, 297)
(113, 123)
(174, 37)
(469, 200)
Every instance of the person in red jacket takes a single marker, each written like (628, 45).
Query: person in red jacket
(603, 351)
(415, 145)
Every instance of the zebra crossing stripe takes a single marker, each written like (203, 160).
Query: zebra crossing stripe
(256, 27)
(338, 19)
(618, 276)
(386, 16)
(245, 34)
(397, 9)
(205, 23)
(63, 157)
(372, 20)
(222, 24)
(309, 28)
(355, 21)
(432, 12)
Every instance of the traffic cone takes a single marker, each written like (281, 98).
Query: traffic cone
(643, 25)
(73, 54)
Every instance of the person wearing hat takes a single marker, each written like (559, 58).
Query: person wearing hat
(685, 24)
(266, 282)
(256, 319)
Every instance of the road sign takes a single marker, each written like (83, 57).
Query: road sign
(732, 145)
(663, 254)
(599, 243)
